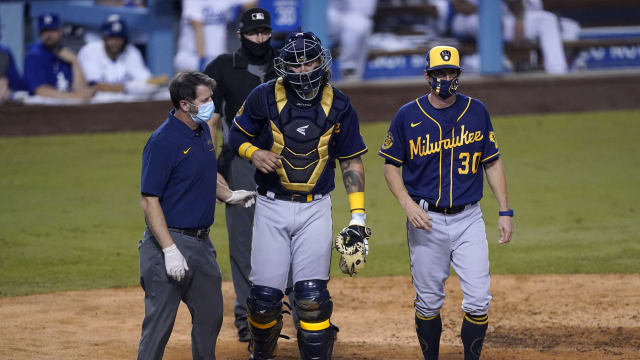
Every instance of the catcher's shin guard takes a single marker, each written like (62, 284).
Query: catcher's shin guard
(316, 334)
(265, 321)
(474, 327)
(429, 330)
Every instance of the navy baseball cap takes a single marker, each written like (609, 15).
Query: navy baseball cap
(253, 19)
(48, 21)
(114, 26)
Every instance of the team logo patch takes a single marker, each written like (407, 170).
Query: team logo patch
(388, 141)
(445, 55)
(240, 111)
(492, 138)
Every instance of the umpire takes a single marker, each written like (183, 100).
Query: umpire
(177, 258)
(236, 75)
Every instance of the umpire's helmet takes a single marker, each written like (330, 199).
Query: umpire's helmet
(443, 57)
(114, 27)
(303, 48)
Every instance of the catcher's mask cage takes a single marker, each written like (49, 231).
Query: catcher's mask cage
(299, 49)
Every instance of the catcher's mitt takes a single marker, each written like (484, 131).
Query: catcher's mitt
(353, 245)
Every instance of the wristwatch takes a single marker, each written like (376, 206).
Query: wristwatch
(506, 213)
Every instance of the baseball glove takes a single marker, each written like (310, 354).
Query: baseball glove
(353, 245)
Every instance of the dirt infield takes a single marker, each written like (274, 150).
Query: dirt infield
(532, 317)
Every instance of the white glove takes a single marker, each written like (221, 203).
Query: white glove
(247, 198)
(174, 262)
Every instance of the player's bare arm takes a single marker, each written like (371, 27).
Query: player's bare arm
(266, 161)
(156, 221)
(214, 123)
(416, 215)
(498, 183)
(353, 175)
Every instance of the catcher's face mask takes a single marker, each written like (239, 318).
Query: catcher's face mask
(295, 64)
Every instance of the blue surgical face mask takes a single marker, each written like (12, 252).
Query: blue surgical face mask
(444, 88)
(204, 112)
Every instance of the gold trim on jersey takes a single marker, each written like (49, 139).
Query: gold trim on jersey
(390, 157)
(489, 157)
(354, 154)
(243, 130)
(440, 167)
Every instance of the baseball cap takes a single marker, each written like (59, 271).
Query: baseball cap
(253, 19)
(48, 21)
(114, 26)
(442, 57)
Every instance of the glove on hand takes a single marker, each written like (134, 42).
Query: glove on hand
(247, 198)
(353, 245)
(174, 262)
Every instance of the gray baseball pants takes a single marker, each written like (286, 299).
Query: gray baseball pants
(292, 235)
(200, 289)
(457, 240)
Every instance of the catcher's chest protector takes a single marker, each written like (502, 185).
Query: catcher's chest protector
(302, 137)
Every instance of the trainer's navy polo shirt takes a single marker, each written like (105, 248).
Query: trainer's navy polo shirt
(179, 167)
(43, 67)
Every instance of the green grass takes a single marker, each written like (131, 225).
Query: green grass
(70, 215)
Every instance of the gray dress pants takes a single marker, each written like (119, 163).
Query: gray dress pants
(200, 289)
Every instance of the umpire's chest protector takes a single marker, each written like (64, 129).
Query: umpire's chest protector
(302, 136)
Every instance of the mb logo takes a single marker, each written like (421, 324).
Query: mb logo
(257, 16)
(445, 55)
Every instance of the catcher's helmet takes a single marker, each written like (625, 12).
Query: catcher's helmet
(303, 48)
(443, 57)
(114, 27)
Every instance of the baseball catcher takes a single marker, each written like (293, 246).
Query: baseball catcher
(352, 243)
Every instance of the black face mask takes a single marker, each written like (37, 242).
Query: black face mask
(257, 52)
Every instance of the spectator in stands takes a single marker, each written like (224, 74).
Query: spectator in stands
(113, 64)
(10, 79)
(203, 31)
(52, 70)
(521, 20)
(350, 24)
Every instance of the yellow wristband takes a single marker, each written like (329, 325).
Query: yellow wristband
(356, 202)
(246, 150)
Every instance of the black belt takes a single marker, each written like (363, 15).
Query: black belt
(444, 210)
(303, 198)
(196, 233)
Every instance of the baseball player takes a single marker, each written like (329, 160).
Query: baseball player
(293, 128)
(203, 31)
(443, 141)
(115, 65)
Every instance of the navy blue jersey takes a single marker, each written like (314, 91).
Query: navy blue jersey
(441, 150)
(179, 167)
(43, 67)
(310, 136)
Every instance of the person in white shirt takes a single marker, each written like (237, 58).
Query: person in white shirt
(113, 64)
(521, 20)
(350, 24)
(203, 31)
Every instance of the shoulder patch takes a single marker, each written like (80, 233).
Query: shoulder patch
(492, 138)
(388, 141)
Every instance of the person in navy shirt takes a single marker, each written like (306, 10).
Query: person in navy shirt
(178, 187)
(51, 70)
(293, 129)
(436, 151)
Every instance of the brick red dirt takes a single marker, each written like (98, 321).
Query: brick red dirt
(531, 317)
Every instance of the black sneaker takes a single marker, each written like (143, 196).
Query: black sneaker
(244, 334)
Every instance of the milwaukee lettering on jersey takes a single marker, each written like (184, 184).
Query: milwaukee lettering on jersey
(424, 147)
